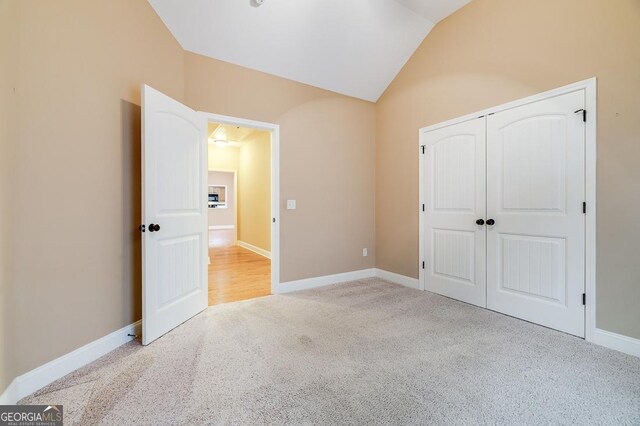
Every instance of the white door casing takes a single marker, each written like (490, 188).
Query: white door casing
(535, 195)
(174, 194)
(454, 173)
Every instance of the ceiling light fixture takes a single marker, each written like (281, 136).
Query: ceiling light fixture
(221, 142)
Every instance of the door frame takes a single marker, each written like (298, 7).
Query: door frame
(274, 129)
(590, 87)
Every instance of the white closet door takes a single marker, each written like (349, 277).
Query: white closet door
(455, 200)
(535, 191)
(174, 249)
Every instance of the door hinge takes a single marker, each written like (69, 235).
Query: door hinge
(142, 228)
(584, 207)
(423, 264)
(584, 114)
(274, 220)
(422, 146)
(584, 298)
(423, 207)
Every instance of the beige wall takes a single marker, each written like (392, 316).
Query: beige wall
(8, 129)
(79, 66)
(226, 216)
(327, 160)
(254, 191)
(494, 51)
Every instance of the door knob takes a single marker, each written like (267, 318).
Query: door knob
(491, 222)
(480, 222)
(154, 227)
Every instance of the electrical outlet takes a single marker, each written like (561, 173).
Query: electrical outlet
(291, 204)
(365, 253)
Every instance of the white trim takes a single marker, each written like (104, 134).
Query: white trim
(275, 183)
(590, 87)
(618, 342)
(591, 154)
(220, 227)
(421, 213)
(40, 377)
(398, 279)
(325, 280)
(255, 249)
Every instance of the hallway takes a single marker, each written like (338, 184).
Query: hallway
(235, 273)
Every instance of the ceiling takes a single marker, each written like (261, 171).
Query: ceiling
(353, 47)
(234, 135)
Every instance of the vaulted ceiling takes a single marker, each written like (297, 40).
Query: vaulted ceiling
(353, 47)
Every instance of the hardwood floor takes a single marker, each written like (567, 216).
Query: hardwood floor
(235, 273)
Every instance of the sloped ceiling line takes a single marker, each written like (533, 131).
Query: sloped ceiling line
(353, 47)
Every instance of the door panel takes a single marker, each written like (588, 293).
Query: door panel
(455, 187)
(535, 191)
(174, 192)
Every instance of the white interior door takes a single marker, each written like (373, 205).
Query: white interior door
(535, 195)
(455, 200)
(174, 191)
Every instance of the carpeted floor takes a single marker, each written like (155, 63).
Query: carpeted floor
(366, 352)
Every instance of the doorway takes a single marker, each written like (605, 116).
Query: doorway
(175, 197)
(240, 219)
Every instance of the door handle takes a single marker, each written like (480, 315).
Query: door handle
(491, 222)
(480, 222)
(154, 227)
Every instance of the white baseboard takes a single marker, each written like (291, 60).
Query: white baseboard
(322, 281)
(258, 250)
(217, 227)
(38, 378)
(398, 279)
(618, 342)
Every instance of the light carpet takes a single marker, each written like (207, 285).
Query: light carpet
(365, 352)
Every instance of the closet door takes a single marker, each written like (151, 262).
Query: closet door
(535, 220)
(455, 200)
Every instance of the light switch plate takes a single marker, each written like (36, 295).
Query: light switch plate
(291, 204)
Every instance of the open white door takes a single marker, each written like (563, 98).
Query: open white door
(174, 244)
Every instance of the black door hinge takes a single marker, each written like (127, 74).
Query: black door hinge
(274, 220)
(423, 264)
(584, 207)
(584, 114)
(142, 228)
(423, 207)
(422, 146)
(584, 298)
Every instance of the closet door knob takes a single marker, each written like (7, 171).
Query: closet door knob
(480, 222)
(491, 222)
(154, 227)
